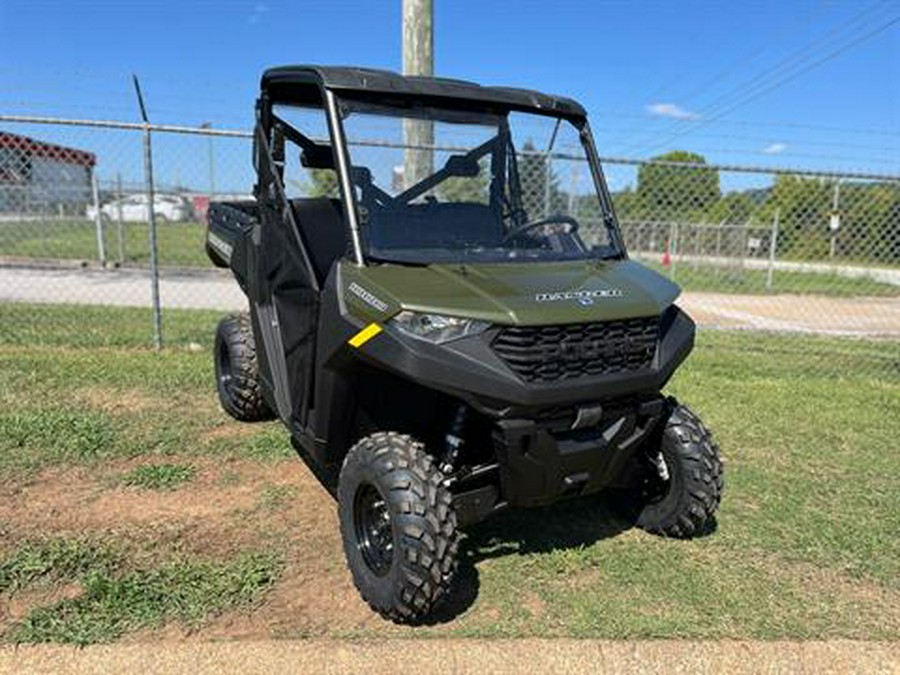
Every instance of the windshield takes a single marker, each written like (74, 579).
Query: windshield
(439, 185)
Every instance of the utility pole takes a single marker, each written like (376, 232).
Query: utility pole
(418, 59)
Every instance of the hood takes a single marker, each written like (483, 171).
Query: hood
(525, 293)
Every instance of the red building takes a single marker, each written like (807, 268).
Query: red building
(43, 177)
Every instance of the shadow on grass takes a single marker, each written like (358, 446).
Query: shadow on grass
(567, 524)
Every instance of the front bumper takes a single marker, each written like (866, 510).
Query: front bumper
(540, 464)
(542, 461)
(470, 370)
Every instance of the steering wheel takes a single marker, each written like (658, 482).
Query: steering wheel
(555, 218)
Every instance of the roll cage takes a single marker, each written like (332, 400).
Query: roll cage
(318, 87)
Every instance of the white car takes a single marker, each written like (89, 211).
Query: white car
(134, 208)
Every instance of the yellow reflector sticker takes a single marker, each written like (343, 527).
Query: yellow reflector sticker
(363, 336)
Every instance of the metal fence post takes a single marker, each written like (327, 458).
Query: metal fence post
(573, 187)
(119, 229)
(212, 161)
(98, 221)
(673, 249)
(572, 206)
(547, 169)
(835, 217)
(151, 216)
(731, 259)
(773, 248)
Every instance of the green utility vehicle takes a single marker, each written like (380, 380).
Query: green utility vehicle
(443, 314)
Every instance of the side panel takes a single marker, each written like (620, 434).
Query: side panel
(233, 241)
(285, 290)
(332, 421)
(228, 235)
(353, 397)
(287, 307)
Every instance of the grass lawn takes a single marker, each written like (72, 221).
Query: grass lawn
(130, 505)
(182, 245)
(178, 244)
(720, 279)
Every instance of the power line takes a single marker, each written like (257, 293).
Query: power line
(602, 129)
(782, 81)
(725, 72)
(731, 68)
(773, 123)
(765, 80)
(796, 59)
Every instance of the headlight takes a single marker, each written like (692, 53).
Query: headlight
(436, 327)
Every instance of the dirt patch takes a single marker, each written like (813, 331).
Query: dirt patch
(18, 606)
(208, 517)
(86, 500)
(228, 430)
(117, 401)
(533, 604)
(853, 593)
(313, 598)
(229, 508)
(875, 606)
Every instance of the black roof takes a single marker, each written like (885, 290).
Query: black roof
(300, 84)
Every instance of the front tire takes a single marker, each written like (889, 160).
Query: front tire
(682, 493)
(398, 527)
(237, 370)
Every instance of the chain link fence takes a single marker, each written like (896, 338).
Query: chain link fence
(810, 260)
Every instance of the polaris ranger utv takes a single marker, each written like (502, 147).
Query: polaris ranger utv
(443, 314)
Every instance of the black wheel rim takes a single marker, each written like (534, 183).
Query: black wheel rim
(223, 363)
(374, 533)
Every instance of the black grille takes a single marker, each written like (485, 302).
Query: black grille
(550, 353)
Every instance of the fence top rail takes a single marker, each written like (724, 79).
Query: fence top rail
(128, 126)
(744, 168)
(627, 161)
(647, 223)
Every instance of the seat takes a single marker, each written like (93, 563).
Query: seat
(321, 224)
(436, 225)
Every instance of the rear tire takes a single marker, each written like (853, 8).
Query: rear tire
(683, 506)
(237, 370)
(398, 527)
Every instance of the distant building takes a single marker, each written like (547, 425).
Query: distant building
(38, 177)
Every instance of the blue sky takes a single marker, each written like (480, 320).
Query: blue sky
(653, 75)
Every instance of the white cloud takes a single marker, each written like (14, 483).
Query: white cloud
(775, 148)
(258, 10)
(671, 110)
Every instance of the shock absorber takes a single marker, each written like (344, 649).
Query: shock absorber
(453, 441)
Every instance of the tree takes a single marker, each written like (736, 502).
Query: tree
(667, 191)
(803, 206)
(870, 221)
(626, 203)
(323, 183)
(534, 172)
(532, 177)
(735, 208)
(466, 188)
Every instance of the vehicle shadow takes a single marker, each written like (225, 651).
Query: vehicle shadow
(568, 524)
